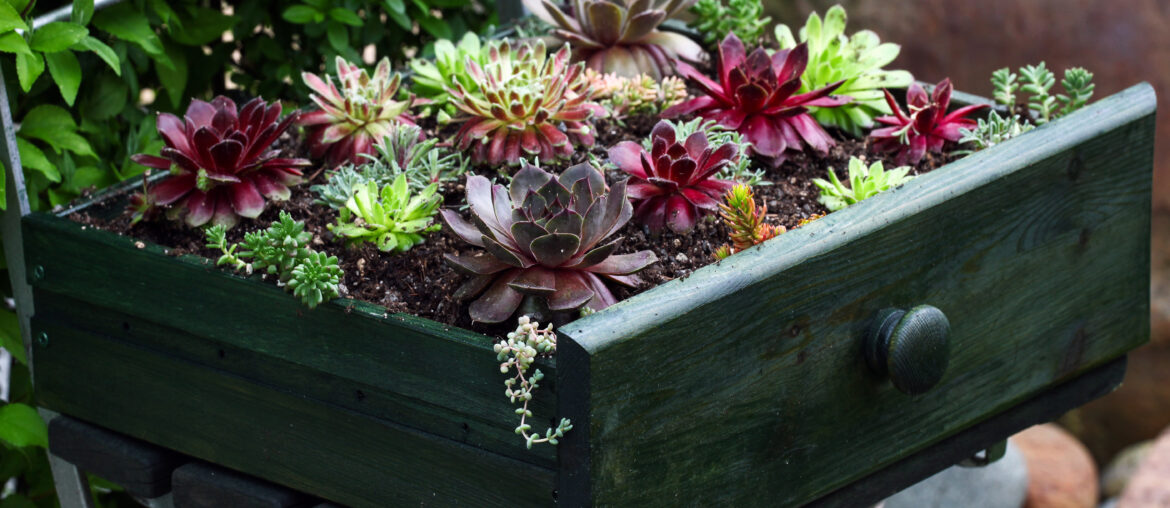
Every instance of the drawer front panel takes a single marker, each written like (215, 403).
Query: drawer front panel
(751, 378)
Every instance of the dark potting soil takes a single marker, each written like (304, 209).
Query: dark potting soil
(419, 282)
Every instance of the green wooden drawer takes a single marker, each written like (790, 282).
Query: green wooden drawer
(743, 383)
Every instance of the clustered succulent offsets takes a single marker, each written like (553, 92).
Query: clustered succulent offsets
(544, 237)
(352, 118)
(620, 36)
(527, 105)
(221, 161)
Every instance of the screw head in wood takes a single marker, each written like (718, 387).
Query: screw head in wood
(38, 273)
(43, 339)
(911, 347)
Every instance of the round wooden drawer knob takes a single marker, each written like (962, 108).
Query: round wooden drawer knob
(911, 347)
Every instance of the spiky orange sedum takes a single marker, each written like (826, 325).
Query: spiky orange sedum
(527, 106)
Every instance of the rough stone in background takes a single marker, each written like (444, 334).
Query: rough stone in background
(1001, 484)
(1150, 486)
(1119, 472)
(1061, 473)
(1121, 41)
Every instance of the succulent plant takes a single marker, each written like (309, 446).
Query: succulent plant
(315, 279)
(390, 216)
(527, 105)
(927, 127)
(857, 60)
(745, 221)
(992, 131)
(423, 162)
(432, 78)
(740, 169)
(620, 36)
(864, 182)
(623, 96)
(351, 119)
(545, 238)
(673, 185)
(1037, 81)
(755, 96)
(221, 162)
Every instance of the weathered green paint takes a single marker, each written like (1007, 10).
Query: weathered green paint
(431, 377)
(746, 381)
(304, 443)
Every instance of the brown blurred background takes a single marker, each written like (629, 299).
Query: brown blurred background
(1122, 42)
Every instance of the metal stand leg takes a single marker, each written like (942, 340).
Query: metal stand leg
(72, 485)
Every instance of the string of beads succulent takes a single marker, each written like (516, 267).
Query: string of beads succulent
(281, 250)
(745, 220)
(521, 348)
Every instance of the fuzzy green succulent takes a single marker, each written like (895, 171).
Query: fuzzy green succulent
(281, 250)
(857, 59)
(391, 216)
(432, 78)
(992, 131)
(744, 18)
(864, 182)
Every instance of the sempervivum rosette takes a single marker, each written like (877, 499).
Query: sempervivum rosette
(357, 115)
(221, 162)
(755, 96)
(674, 184)
(543, 237)
(620, 36)
(926, 128)
(527, 105)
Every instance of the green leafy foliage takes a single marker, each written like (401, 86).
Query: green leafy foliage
(992, 131)
(1037, 81)
(519, 351)
(857, 59)
(392, 217)
(864, 182)
(281, 250)
(744, 18)
(434, 76)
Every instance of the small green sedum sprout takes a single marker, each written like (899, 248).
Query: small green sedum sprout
(391, 217)
(864, 182)
(992, 131)
(519, 351)
(281, 250)
(1037, 81)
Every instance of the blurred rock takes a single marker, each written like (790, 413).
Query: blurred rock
(1001, 484)
(1119, 471)
(1121, 41)
(1150, 486)
(1061, 473)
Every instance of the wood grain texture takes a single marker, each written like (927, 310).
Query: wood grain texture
(296, 441)
(437, 378)
(202, 485)
(747, 383)
(143, 469)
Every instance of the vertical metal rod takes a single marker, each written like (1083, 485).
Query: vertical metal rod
(16, 200)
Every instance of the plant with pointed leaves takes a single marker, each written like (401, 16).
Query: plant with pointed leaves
(432, 78)
(623, 96)
(423, 162)
(864, 182)
(350, 119)
(739, 169)
(673, 185)
(928, 126)
(390, 216)
(620, 36)
(281, 250)
(519, 350)
(546, 239)
(1004, 86)
(992, 131)
(221, 162)
(745, 221)
(857, 60)
(744, 18)
(1038, 82)
(755, 96)
(527, 105)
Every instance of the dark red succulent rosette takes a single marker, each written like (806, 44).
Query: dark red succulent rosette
(221, 162)
(754, 96)
(674, 185)
(928, 126)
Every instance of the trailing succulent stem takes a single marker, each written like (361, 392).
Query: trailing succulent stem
(519, 351)
(281, 250)
(745, 220)
(864, 182)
